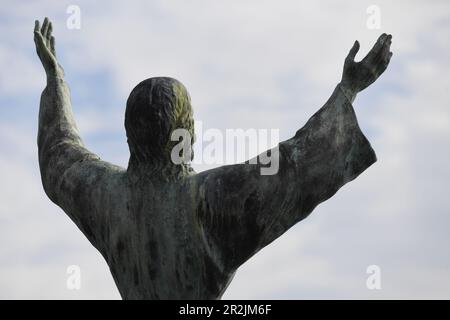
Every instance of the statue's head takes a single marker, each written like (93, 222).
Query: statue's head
(155, 108)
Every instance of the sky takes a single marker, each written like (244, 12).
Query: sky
(246, 64)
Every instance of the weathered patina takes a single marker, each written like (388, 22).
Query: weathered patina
(167, 232)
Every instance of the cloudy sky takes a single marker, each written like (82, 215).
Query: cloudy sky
(247, 64)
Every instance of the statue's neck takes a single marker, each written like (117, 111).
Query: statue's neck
(157, 169)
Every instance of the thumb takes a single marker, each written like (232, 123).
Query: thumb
(353, 51)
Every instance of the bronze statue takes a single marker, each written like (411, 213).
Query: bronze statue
(167, 232)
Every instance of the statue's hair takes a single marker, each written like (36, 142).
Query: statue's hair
(155, 108)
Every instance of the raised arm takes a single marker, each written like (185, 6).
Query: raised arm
(241, 211)
(73, 178)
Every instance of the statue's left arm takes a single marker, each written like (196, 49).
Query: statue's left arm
(241, 211)
(73, 177)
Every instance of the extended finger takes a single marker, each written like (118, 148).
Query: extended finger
(39, 41)
(388, 59)
(52, 45)
(44, 27)
(385, 51)
(380, 42)
(353, 51)
(49, 34)
(36, 26)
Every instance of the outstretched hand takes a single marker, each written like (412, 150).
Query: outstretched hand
(359, 75)
(45, 48)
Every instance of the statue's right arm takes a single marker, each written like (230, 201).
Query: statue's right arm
(73, 177)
